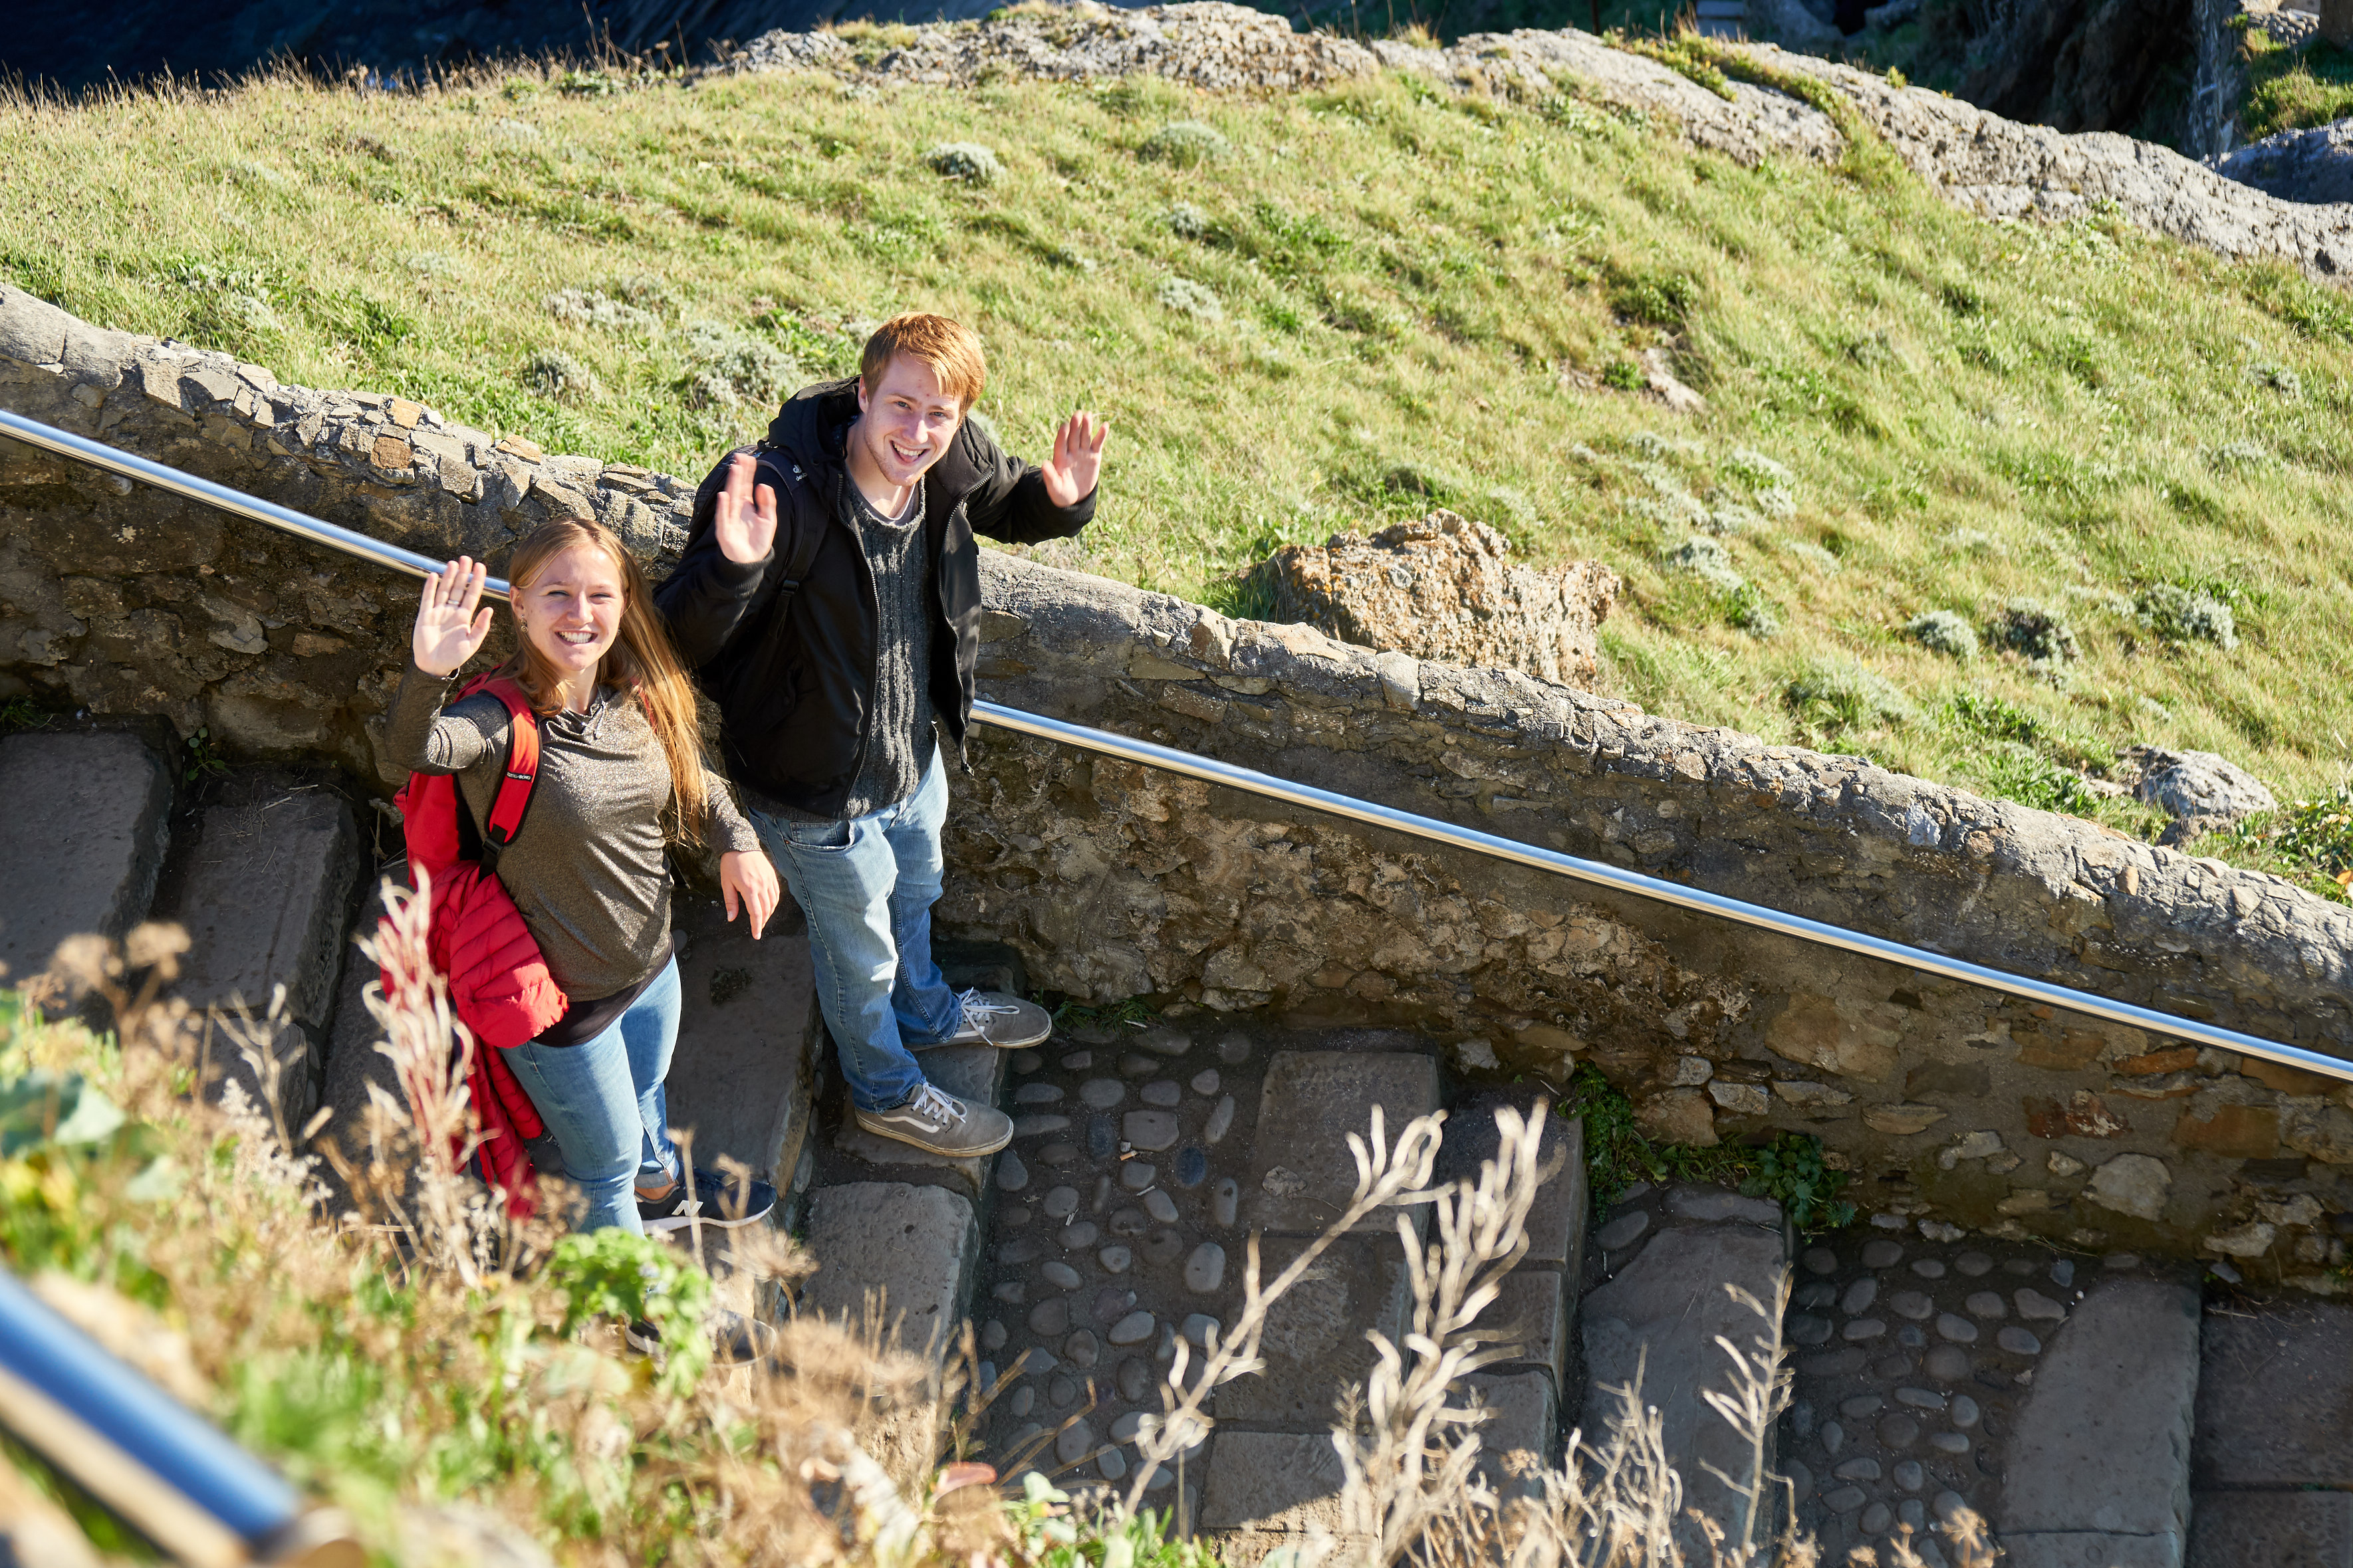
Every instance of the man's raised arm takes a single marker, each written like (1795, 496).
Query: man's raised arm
(1020, 503)
(728, 552)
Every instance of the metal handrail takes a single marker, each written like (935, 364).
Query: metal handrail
(1209, 770)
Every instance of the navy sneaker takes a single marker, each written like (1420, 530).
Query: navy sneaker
(728, 1202)
(672, 1211)
(712, 1200)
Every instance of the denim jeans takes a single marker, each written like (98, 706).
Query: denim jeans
(602, 1101)
(868, 886)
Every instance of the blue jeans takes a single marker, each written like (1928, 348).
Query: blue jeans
(868, 886)
(602, 1101)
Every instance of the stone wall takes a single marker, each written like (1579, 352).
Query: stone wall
(124, 602)
(1952, 1105)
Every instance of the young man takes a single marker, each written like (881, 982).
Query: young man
(834, 692)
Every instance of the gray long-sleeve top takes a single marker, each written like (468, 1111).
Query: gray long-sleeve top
(586, 872)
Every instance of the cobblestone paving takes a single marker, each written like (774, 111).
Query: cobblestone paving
(1115, 1228)
(1913, 1358)
(1142, 1162)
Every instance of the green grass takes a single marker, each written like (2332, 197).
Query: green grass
(1910, 410)
(2292, 89)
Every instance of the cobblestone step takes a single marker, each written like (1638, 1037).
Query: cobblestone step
(82, 842)
(1654, 1311)
(266, 891)
(2272, 1458)
(1936, 1372)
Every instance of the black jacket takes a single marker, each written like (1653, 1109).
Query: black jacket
(793, 673)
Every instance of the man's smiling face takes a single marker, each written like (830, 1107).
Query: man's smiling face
(907, 421)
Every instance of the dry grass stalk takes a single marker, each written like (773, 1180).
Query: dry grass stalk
(1386, 1177)
(1413, 1464)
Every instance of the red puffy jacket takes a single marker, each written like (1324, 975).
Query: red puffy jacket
(499, 982)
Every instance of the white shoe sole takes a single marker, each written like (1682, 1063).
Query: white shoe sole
(914, 1140)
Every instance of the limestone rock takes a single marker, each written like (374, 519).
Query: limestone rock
(2136, 1184)
(1445, 588)
(2198, 784)
(2313, 166)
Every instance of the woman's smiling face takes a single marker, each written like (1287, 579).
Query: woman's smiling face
(572, 610)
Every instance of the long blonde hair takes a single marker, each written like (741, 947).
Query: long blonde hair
(641, 661)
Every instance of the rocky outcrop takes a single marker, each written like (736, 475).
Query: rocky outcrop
(1975, 159)
(1445, 588)
(2201, 790)
(1204, 44)
(2309, 167)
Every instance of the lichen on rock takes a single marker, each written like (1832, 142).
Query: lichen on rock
(1446, 587)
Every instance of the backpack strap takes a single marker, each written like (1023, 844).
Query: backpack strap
(806, 542)
(519, 777)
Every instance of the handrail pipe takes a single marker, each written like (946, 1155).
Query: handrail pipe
(1307, 796)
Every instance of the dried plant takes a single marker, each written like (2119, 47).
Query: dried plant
(1386, 1178)
(1412, 1466)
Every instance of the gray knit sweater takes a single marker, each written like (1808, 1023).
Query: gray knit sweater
(586, 872)
(900, 740)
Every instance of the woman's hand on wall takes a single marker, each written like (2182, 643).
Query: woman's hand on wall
(746, 874)
(449, 629)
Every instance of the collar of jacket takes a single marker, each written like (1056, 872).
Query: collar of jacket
(811, 432)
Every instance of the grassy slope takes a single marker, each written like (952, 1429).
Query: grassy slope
(1972, 412)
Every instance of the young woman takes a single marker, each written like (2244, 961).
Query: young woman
(620, 776)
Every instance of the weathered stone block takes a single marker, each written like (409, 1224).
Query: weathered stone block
(1556, 1223)
(2272, 1529)
(80, 842)
(1302, 1172)
(1286, 1482)
(744, 1075)
(899, 1251)
(267, 895)
(1534, 1306)
(1520, 1438)
(1314, 1343)
(2275, 1397)
(1658, 1322)
(2103, 1445)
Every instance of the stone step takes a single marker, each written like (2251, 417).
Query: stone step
(82, 841)
(742, 1081)
(2099, 1461)
(1934, 1371)
(266, 891)
(2272, 1457)
(1666, 1258)
(900, 1258)
(1539, 1296)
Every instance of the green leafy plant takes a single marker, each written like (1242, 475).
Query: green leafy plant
(22, 713)
(614, 1274)
(2311, 840)
(204, 756)
(1788, 1167)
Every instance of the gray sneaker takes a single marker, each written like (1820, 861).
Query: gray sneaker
(935, 1120)
(994, 1018)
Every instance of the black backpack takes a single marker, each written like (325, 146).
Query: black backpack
(773, 469)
